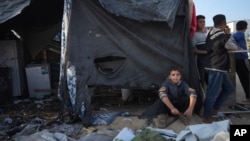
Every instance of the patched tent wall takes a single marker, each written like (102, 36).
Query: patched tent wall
(122, 44)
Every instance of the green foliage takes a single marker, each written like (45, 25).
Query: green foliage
(149, 135)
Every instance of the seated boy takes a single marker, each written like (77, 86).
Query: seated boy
(176, 98)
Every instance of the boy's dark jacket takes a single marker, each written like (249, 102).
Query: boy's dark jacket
(217, 56)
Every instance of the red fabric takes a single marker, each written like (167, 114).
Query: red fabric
(193, 21)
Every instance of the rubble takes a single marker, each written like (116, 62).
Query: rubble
(34, 119)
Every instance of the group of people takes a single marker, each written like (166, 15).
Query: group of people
(212, 50)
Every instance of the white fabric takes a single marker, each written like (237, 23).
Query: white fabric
(221, 136)
(126, 134)
(44, 136)
(203, 132)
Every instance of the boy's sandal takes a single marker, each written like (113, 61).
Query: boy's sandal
(184, 119)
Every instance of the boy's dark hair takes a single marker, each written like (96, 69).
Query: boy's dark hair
(241, 25)
(175, 68)
(200, 17)
(219, 19)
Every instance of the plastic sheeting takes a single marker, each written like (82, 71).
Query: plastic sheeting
(103, 48)
(9, 9)
(203, 132)
(146, 10)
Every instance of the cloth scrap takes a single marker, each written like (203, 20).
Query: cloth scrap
(204, 132)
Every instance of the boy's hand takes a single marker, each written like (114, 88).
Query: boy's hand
(188, 112)
(175, 111)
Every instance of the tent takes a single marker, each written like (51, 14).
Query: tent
(124, 44)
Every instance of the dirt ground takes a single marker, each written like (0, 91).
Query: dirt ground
(14, 117)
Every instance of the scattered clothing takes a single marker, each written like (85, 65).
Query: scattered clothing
(203, 132)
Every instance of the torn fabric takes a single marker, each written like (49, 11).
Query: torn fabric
(101, 48)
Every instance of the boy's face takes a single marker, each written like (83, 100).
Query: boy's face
(201, 24)
(175, 76)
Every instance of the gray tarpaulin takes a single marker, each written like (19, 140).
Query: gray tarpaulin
(146, 10)
(105, 47)
(204, 132)
(10, 9)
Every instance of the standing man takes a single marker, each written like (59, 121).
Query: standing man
(241, 58)
(200, 51)
(217, 65)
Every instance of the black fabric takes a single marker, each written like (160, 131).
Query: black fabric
(158, 107)
(102, 48)
(201, 47)
(243, 73)
(201, 60)
(201, 69)
(217, 56)
(209, 43)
